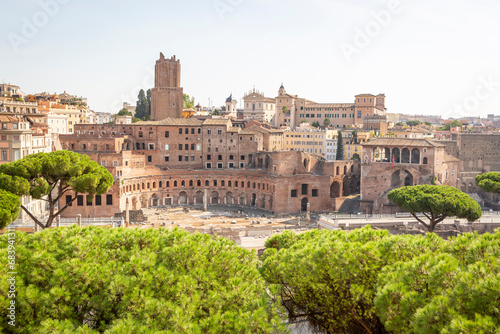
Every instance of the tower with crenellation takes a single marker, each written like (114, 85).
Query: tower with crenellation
(166, 96)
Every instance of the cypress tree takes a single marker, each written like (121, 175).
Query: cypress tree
(340, 147)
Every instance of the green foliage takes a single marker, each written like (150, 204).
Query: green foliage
(326, 122)
(316, 124)
(143, 108)
(413, 123)
(340, 147)
(284, 109)
(330, 276)
(98, 280)
(135, 119)
(428, 123)
(489, 182)
(303, 121)
(436, 203)
(53, 175)
(187, 101)
(124, 112)
(454, 290)
(9, 208)
(399, 123)
(452, 124)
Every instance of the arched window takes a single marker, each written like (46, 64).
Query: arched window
(191, 183)
(235, 183)
(426, 161)
(175, 183)
(207, 183)
(198, 183)
(222, 183)
(183, 183)
(229, 183)
(167, 184)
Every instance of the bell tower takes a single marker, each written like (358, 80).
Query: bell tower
(166, 96)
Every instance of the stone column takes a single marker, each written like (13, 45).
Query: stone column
(205, 198)
(308, 214)
(298, 221)
(79, 220)
(58, 221)
(37, 228)
(127, 214)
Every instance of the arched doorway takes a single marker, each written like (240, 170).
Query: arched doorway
(198, 198)
(415, 156)
(243, 199)
(335, 190)
(183, 198)
(405, 156)
(396, 155)
(155, 200)
(214, 197)
(134, 203)
(303, 204)
(254, 199)
(229, 198)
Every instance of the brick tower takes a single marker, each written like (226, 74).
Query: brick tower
(166, 96)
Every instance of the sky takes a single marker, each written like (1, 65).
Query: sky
(435, 57)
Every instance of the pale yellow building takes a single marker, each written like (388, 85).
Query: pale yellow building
(305, 141)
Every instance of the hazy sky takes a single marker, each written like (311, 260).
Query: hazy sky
(428, 57)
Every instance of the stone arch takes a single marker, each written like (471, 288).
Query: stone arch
(253, 200)
(243, 199)
(464, 187)
(155, 201)
(214, 197)
(405, 156)
(183, 198)
(415, 156)
(401, 178)
(229, 198)
(386, 156)
(396, 154)
(335, 190)
(198, 197)
(134, 203)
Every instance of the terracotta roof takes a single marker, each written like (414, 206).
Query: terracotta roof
(8, 119)
(216, 121)
(330, 105)
(173, 121)
(402, 142)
